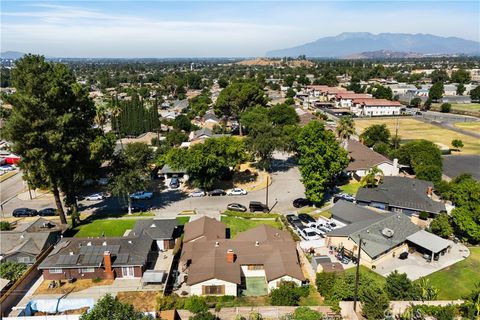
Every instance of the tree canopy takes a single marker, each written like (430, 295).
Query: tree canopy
(424, 157)
(374, 134)
(321, 159)
(110, 308)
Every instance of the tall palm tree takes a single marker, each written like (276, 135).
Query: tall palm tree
(345, 129)
(101, 116)
(370, 179)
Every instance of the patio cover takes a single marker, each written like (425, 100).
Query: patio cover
(153, 276)
(429, 241)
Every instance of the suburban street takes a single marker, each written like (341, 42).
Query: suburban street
(285, 187)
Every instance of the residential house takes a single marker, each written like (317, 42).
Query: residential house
(210, 120)
(384, 235)
(400, 194)
(100, 258)
(401, 88)
(167, 172)
(28, 240)
(162, 231)
(362, 159)
(375, 107)
(260, 257)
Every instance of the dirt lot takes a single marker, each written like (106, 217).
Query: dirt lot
(141, 300)
(66, 287)
(414, 129)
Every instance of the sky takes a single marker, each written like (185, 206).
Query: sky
(156, 29)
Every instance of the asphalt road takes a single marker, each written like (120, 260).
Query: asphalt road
(285, 187)
(11, 187)
(454, 166)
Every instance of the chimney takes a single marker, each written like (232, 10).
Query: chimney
(230, 256)
(429, 191)
(107, 263)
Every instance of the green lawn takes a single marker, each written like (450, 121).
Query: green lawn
(459, 279)
(237, 225)
(182, 220)
(351, 187)
(107, 227)
(366, 270)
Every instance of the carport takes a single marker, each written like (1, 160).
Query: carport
(429, 244)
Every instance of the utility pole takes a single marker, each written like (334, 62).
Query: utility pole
(355, 298)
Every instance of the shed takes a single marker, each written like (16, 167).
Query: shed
(429, 242)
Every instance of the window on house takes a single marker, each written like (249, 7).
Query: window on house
(213, 289)
(255, 267)
(24, 260)
(55, 270)
(86, 270)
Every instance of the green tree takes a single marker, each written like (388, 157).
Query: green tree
(196, 304)
(290, 93)
(457, 144)
(238, 97)
(372, 178)
(305, 313)
(205, 315)
(467, 223)
(282, 115)
(424, 157)
(427, 291)
(461, 89)
(399, 287)
(439, 75)
(381, 92)
(287, 294)
(345, 129)
(208, 161)
(445, 107)
(51, 127)
(475, 94)
(288, 80)
(460, 76)
(441, 226)
(416, 102)
(374, 134)
(436, 91)
(182, 122)
(223, 82)
(470, 309)
(11, 270)
(325, 282)
(110, 308)
(374, 302)
(320, 159)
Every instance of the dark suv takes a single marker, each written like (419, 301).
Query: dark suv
(24, 212)
(257, 206)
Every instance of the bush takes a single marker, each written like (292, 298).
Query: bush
(399, 287)
(205, 315)
(445, 107)
(12, 270)
(374, 302)
(288, 294)
(423, 215)
(170, 302)
(441, 226)
(325, 282)
(5, 226)
(305, 313)
(196, 304)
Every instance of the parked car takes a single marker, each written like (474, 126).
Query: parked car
(307, 219)
(137, 207)
(403, 256)
(294, 221)
(237, 192)
(95, 197)
(197, 193)
(24, 212)
(7, 167)
(309, 234)
(141, 195)
(174, 183)
(237, 207)
(343, 196)
(323, 229)
(257, 206)
(217, 192)
(301, 202)
(47, 212)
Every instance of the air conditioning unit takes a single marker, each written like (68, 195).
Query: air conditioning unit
(388, 232)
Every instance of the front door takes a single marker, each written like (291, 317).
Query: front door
(128, 272)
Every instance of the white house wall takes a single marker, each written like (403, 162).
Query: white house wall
(276, 282)
(230, 288)
(252, 273)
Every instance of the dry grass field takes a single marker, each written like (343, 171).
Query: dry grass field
(414, 129)
(469, 126)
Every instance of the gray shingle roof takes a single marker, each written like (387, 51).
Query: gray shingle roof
(349, 212)
(157, 229)
(362, 157)
(88, 252)
(403, 193)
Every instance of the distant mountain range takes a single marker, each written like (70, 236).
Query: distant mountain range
(13, 55)
(358, 43)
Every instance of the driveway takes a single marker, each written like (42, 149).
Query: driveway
(416, 266)
(454, 166)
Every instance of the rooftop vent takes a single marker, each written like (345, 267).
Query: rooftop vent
(130, 241)
(71, 253)
(387, 232)
(104, 243)
(89, 243)
(153, 225)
